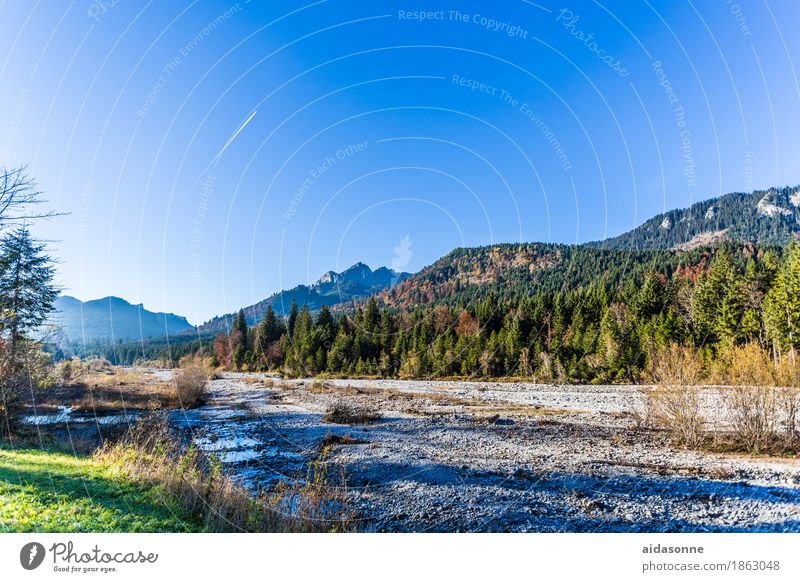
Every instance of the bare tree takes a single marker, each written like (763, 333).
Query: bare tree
(18, 197)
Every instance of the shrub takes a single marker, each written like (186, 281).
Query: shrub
(13, 388)
(190, 384)
(345, 413)
(98, 365)
(28, 370)
(675, 402)
(754, 416)
(748, 365)
(677, 408)
(675, 365)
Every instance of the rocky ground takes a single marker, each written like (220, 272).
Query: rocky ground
(475, 456)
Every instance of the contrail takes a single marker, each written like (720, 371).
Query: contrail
(233, 137)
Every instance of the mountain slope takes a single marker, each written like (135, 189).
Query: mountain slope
(357, 282)
(112, 318)
(678, 239)
(515, 270)
(767, 217)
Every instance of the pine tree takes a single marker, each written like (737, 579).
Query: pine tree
(27, 292)
(292, 317)
(782, 304)
(241, 326)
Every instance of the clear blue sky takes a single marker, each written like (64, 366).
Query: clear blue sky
(482, 122)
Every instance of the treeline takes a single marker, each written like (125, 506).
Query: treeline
(162, 351)
(598, 333)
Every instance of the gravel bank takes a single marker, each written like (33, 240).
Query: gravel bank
(475, 456)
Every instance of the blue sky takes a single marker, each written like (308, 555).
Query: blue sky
(210, 153)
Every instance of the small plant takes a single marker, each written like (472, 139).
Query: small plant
(22, 374)
(99, 365)
(320, 387)
(345, 413)
(340, 439)
(190, 384)
(754, 416)
(677, 408)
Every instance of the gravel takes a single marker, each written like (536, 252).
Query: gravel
(490, 457)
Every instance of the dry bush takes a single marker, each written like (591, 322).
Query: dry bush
(190, 383)
(68, 371)
(14, 387)
(677, 408)
(762, 400)
(789, 403)
(675, 403)
(346, 413)
(321, 387)
(754, 414)
(675, 365)
(340, 439)
(748, 365)
(153, 454)
(98, 365)
(21, 376)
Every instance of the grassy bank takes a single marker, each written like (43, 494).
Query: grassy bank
(149, 482)
(46, 491)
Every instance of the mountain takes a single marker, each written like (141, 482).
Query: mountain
(678, 239)
(515, 270)
(111, 318)
(767, 216)
(357, 282)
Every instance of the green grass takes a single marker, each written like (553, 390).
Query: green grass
(43, 491)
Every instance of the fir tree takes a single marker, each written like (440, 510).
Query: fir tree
(27, 292)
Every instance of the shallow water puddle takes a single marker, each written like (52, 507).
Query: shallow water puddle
(66, 415)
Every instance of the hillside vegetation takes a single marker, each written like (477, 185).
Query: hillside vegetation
(769, 217)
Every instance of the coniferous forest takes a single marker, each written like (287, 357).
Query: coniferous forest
(595, 315)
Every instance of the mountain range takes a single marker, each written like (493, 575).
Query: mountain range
(663, 244)
(111, 318)
(767, 217)
(357, 282)
(102, 320)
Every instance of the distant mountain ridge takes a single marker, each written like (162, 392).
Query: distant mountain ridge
(764, 216)
(111, 318)
(677, 239)
(661, 244)
(332, 288)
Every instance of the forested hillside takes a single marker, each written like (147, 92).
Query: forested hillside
(517, 270)
(601, 312)
(767, 217)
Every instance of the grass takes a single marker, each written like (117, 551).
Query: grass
(110, 391)
(148, 482)
(152, 454)
(45, 491)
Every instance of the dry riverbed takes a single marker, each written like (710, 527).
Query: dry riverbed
(463, 456)
(475, 456)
